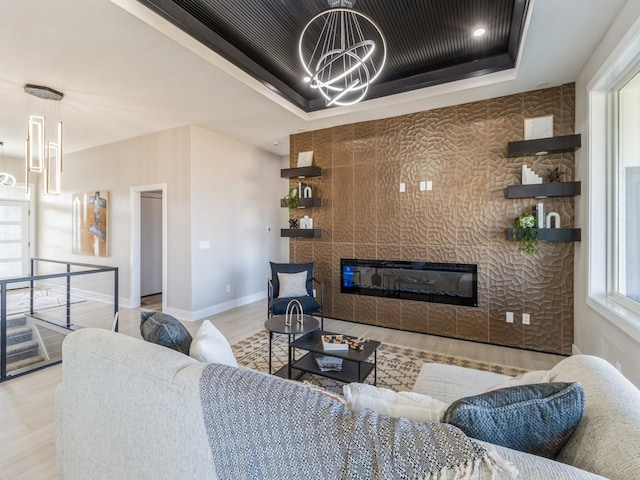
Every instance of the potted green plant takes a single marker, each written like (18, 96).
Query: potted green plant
(525, 230)
(292, 200)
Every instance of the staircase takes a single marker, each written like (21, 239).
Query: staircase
(22, 349)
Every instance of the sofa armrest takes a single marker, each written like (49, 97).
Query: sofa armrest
(607, 438)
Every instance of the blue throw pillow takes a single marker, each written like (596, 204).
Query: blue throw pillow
(165, 330)
(537, 419)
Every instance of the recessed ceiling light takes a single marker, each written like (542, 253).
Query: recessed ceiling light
(480, 31)
(275, 142)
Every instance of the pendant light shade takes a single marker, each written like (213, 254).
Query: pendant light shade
(44, 155)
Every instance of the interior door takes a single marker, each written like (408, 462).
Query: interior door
(151, 243)
(14, 240)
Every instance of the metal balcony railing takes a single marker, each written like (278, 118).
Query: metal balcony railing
(38, 311)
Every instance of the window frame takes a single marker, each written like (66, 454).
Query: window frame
(613, 187)
(602, 110)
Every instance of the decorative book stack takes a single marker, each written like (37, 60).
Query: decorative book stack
(329, 364)
(342, 342)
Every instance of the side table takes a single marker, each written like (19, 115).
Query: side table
(276, 324)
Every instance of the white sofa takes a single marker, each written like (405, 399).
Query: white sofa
(128, 409)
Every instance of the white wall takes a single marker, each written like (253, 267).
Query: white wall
(219, 191)
(162, 157)
(235, 198)
(595, 334)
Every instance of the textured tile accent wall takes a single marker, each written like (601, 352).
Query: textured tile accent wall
(462, 150)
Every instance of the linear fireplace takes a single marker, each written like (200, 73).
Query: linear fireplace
(452, 283)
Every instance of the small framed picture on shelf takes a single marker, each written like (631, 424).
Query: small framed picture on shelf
(538, 127)
(305, 159)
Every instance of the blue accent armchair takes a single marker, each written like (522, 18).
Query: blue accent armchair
(278, 305)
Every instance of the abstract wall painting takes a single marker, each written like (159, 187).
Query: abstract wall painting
(90, 223)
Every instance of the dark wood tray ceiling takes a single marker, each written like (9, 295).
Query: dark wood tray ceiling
(429, 42)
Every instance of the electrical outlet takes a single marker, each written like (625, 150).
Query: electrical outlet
(228, 288)
(423, 186)
(509, 317)
(526, 319)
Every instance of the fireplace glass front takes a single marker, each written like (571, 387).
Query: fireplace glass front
(451, 283)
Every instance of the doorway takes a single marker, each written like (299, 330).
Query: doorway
(14, 240)
(149, 247)
(151, 250)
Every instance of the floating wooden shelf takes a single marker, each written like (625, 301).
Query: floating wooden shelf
(554, 234)
(301, 172)
(301, 232)
(304, 202)
(543, 146)
(561, 189)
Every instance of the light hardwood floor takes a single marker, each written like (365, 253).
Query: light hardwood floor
(27, 437)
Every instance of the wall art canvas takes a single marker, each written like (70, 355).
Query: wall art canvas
(90, 213)
(538, 127)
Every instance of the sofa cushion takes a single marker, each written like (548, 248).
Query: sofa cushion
(448, 383)
(411, 405)
(165, 330)
(209, 345)
(309, 305)
(535, 376)
(292, 284)
(536, 419)
(533, 467)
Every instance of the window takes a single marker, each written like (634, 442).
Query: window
(613, 175)
(625, 196)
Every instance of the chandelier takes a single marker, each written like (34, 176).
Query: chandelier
(6, 179)
(44, 155)
(342, 51)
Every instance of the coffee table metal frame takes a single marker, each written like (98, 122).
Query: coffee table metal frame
(276, 324)
(355, 367)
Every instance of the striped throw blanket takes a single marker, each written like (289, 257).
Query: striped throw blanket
(261, 427)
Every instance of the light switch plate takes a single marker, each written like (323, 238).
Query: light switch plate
(204, 244)
(423, 186)
(526, 319)
(509, 317)
(429, 185)
(403, 187)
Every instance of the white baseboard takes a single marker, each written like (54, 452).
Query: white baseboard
(575, 350)
(192, 316)
(124, 302)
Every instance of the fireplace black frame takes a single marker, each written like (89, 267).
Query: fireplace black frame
(448, 283)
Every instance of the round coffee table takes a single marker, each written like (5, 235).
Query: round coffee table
(276, 324)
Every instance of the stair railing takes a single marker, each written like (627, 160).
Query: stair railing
(66, 325)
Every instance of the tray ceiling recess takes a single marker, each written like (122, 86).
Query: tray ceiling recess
(428, 42)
